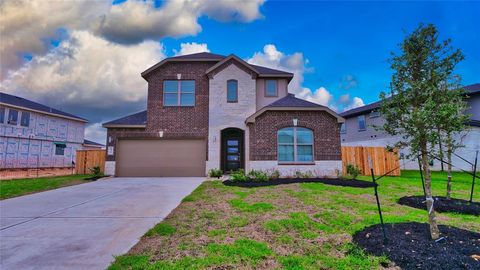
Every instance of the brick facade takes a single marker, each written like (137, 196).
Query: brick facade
(326, 132)
(179, 122)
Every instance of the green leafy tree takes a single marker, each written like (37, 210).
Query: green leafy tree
(411, 108)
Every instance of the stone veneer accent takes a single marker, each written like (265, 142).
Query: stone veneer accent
(326, 132)
(322, 168)
(225, 115)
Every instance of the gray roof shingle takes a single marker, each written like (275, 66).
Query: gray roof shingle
(202, 55)
(135, 119)
(472, 89)
(32, 105)
(291, 101)
(269, 71)
(85, 141)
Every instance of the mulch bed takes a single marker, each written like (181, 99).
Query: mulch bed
(409, 246)
(283, 181)
(441, 204)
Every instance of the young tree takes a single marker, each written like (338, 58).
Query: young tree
(452, 120)
(410, 109)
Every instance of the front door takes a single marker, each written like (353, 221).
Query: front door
(233, 155)
(232, 150)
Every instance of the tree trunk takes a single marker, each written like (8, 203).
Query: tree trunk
(449, 167)
(432, 220)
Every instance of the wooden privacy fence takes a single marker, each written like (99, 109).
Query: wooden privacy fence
(382, 159)
(87, 159)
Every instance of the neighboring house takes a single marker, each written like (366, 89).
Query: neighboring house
(90, 145)
(209, 111)
(359, 130)
(33, 135)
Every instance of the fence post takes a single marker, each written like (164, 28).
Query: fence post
(378, 200)
(474, 175)
(421, 176)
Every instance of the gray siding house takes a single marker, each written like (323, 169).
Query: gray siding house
(358, 130)
(34, 135)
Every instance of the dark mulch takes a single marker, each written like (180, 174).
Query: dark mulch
(94, 178)
(282, 181)
(410, 246)
(441, 204)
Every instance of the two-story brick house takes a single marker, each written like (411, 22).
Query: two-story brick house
(209, 111)
(359, 129)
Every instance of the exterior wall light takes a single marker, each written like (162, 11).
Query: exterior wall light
(295, 122)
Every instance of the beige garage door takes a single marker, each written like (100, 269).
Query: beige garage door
(161, 158)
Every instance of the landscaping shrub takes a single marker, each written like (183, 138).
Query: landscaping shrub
(215, 173)
(258, 176)
(96, 172)
(353, 170)
(275, 174)
(238, 176)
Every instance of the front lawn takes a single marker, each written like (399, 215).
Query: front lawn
(19, 187)
(293, 226)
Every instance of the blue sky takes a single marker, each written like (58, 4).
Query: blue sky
(85, 57)
(346, 38)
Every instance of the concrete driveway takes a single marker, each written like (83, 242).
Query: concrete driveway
(84, 226)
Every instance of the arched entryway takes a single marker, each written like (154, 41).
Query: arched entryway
(232, 149)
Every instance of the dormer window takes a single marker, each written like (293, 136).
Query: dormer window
(232, 91)
(271, 88)
(179, 93)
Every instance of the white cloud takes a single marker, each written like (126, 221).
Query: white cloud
(87, 69)
(294, 63)
(297, 64)
(321, 96)
(193, 47)
(356, 102)
(28, 26)
(134, 21)
(89, 76)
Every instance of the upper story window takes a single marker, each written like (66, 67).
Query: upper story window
(374, 114)
(12, 117)
(343, 128)
(361, 123)
(25, 120)
(179, 93)
(295, 145)
(271, 88)
(232, 91)
(2, 115)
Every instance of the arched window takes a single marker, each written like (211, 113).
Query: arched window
(232, 91)
(295, 145)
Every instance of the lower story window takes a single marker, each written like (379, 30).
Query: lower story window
(60, 149)
(295, 145)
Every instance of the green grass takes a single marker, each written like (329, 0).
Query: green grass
(295, 226)
(161, 229)
(20, 187)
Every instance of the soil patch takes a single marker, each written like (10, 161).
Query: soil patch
(441, 204)
(410, 246)
(283, 181)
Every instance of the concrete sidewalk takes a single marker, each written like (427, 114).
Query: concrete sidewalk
(84, 226)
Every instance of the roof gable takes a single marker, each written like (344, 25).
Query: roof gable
(221, 60)
(292, 103)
